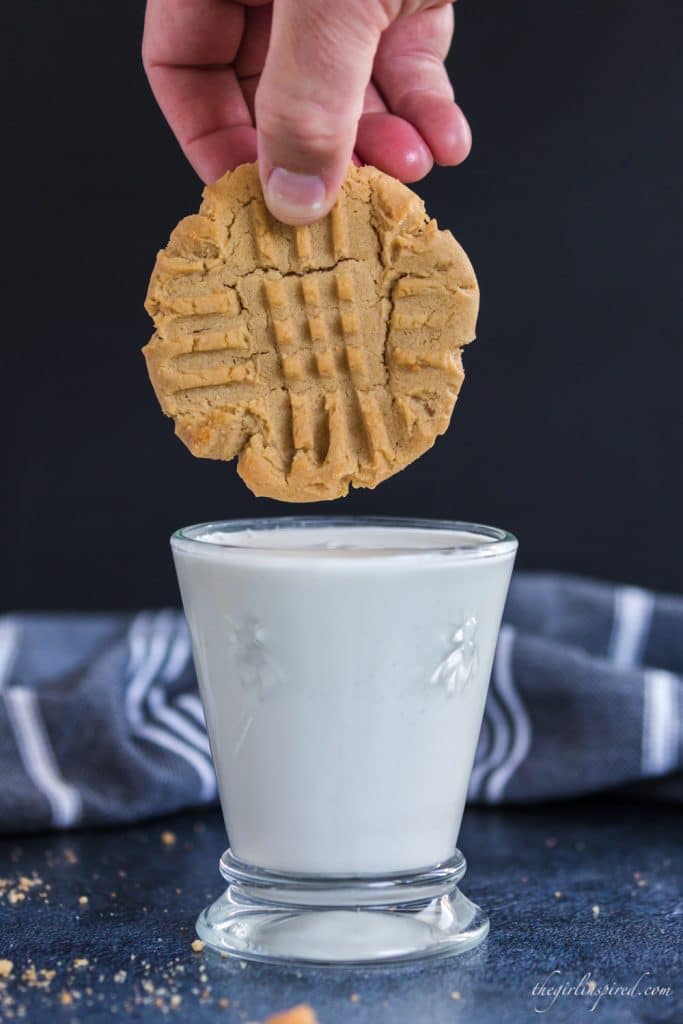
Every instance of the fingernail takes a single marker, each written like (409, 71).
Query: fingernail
(295, 198)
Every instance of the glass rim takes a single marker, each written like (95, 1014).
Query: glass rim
(495, 542)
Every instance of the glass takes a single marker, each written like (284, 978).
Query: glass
(343, 665)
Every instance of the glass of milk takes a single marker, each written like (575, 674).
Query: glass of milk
(343, 665)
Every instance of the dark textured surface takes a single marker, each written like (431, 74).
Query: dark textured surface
(538, 872)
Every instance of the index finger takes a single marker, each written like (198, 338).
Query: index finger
(188, 50)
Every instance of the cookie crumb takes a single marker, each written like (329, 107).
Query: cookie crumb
(558, 894)
(65, 998)
(354, 997)
(41, 978)
(120, 977)
(168, 838)
(83, 900)
(6, 968)
(29, 883)
(198, 945)
(595, 909)
(297, 1015)
(223, 1003)
(455, 995)
(81, 961)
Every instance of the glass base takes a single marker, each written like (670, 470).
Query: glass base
(308, 919)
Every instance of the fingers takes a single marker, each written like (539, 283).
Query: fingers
(373, 102)
(204, 57)
(310, 99)
(388, 142)
(198, 33)
(410, 72)
(186, 50)
(209, 117)
(394, 146)
(249, 87)
(253, 50)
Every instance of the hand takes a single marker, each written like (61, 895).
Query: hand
(305, 85)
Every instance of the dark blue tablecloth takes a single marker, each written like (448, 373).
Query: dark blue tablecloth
(100, 721)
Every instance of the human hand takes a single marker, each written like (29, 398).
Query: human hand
(305, 85)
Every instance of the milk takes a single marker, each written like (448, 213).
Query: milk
(343, 671)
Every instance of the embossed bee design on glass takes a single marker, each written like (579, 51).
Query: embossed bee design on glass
(459, 668)
(343, 665)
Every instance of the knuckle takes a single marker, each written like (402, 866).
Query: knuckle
(304, 124)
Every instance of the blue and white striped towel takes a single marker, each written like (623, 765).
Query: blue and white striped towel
(100, 721)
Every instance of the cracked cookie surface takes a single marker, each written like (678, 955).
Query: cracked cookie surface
(320, 356)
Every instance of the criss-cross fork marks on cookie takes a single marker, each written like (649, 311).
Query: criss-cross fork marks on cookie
(303, 237)
(322, 355)
(328, 355)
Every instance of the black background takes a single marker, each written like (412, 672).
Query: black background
(568, 429)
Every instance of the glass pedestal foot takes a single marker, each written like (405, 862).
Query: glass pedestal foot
(308, 919)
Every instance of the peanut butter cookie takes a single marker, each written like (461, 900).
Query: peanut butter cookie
(320, 356)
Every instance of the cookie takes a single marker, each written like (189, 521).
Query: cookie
(302, 1014)
(322, 356)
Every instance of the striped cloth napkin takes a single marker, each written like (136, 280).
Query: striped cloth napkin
(100, 722)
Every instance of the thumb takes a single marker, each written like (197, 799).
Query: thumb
(310, 99)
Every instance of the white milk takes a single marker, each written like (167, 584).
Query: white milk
(343, 671)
